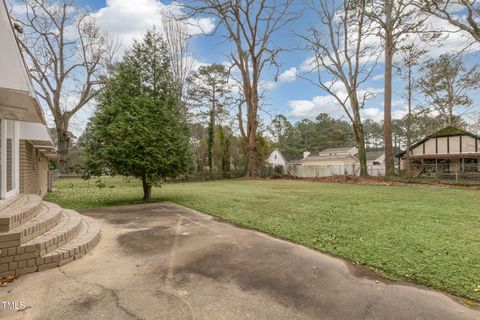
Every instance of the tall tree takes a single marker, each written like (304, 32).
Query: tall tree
(210, 96)
(138, 129)
(69, 59)
(340, 50)
(447, 84)
(373, 134)
(395, 19)
(176, 34)
(250, 27)
(411, 55)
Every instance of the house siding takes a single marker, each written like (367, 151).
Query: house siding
(33, 170)
(327, 162)
(468, 144)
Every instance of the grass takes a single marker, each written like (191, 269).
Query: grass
(427, 235)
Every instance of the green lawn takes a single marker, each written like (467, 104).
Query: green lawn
(428, 235)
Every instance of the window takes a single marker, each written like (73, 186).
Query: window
(8, 158)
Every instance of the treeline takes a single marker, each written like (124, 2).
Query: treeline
(328, 132)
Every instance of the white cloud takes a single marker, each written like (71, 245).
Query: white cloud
(330, 105)
(375, 114)
(311, 108)
(286, 76)
(307, 65)
(129, 20)
(378, 77)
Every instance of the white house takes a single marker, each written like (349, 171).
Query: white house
(376, 163)
(337, 161)
(276, 158)
(331, 157)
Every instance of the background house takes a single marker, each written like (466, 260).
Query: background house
(336, 161)
(332, 157)
(276, 158)
(449, 152)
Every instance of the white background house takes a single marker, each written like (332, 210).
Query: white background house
(276, 158)
(336, 161)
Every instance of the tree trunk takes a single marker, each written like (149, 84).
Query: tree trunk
(362, 152)
(63, 141)
(409, 122)
(252, 136)
(450, 115)
(251, 158)
(210, 139)
(387, 112)
(359, 135)
(147, 189)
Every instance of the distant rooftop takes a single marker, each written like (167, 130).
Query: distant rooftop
(335, 150)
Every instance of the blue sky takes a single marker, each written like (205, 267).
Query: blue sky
(292, 96)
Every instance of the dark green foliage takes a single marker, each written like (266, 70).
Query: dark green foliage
(138, 129)
(209, 98)
(324, 132)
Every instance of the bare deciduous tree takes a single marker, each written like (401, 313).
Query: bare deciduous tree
(249, 25)
(463, 14)
(340, 50)
(177, 36)
(395, 19)
(447, 84)
(69, 59)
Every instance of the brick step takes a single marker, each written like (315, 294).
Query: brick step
(19, 210)
(49, 216)
(64, 231)
(87, 238)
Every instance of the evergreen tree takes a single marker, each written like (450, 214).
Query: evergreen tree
(138, 129)
(209, 97)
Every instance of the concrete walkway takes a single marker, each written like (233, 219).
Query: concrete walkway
(163, 261)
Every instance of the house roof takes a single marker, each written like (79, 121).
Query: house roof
(336, 150)
(18, 99)
(448, 131)
(326, 157)
(279, 152)
(374, 155)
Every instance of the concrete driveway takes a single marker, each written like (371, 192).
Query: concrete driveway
(164, 261)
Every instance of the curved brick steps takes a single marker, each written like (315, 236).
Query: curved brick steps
(19, 210)
(56, 237)
(75, 249)
(48, 217)
(45, 236)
